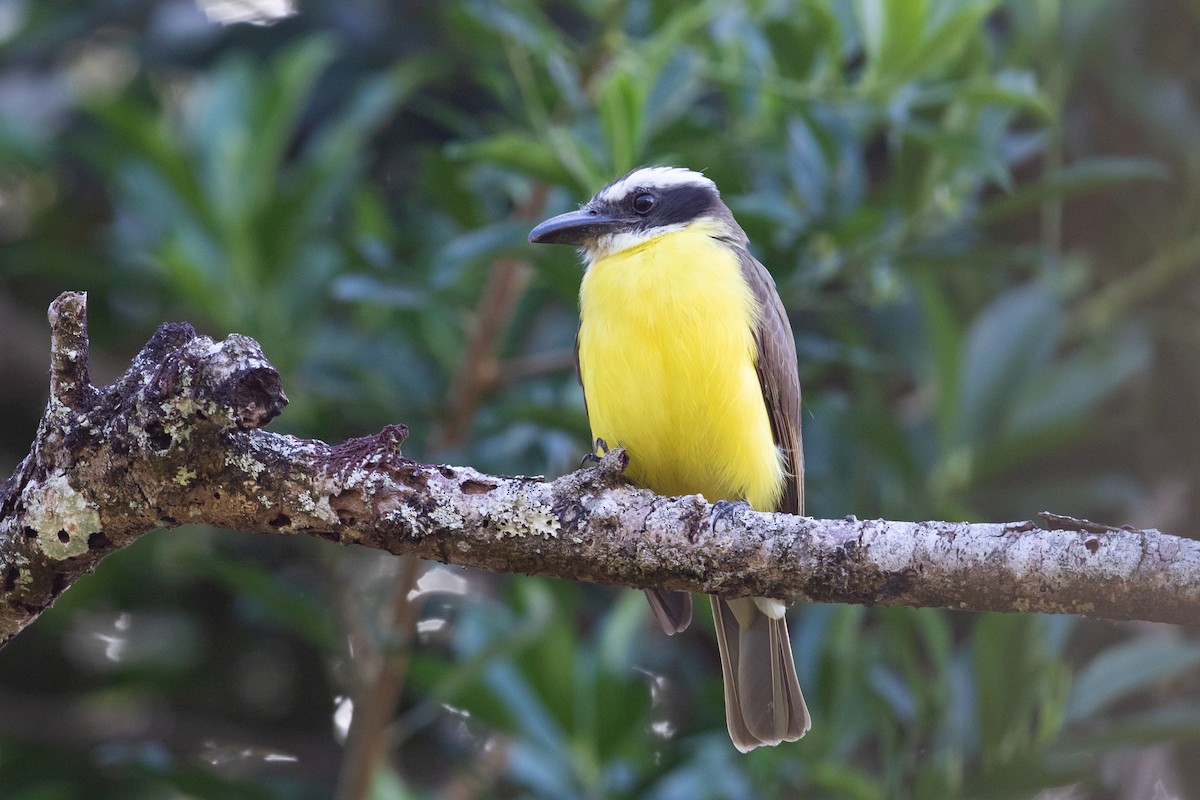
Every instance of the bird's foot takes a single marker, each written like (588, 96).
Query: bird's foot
(724, 509)
(606, 466)
(599, 451)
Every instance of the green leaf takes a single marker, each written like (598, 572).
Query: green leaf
(1014, 89)
(288, 606)
(619, 102)
(846, 781)
(1127, 669)
(1008, 342)
(367, 289)
(534, 157)
(144, 135)
(946, 38)
(808, 166)
(273, 116)
(1052, 410)
(472, 247)
(1069, 390)
(1177, 722)
(621, 630)
(340, 140)
(943, 339)
(892, 32)
(872, 20)
(386, 784)
(1017, 685)
(1080, 177)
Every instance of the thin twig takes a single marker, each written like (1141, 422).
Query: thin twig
(480, 372)
(374, 709)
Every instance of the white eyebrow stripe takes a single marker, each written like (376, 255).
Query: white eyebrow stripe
(653, 178)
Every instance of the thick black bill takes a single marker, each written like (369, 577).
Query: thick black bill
(574, 227)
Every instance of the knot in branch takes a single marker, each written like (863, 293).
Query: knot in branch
(187, 381)
(239, 379)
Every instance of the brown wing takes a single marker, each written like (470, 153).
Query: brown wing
(778, 378)
(579, 369)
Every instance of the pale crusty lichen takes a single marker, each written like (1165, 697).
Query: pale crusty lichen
(527, 517)
(511, 510)
(24, 574)
(444, 515)
(184, 476)
(247, 464)
(411, 520)
(446, 518)
(317, 504)
(62, 517)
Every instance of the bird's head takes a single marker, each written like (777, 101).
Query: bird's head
(635, 208)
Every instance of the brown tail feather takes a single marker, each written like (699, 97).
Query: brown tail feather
(763, 701)
(673, 610)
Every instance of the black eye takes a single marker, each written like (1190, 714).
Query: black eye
(643, 203)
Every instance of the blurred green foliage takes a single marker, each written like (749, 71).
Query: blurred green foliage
(982, 217)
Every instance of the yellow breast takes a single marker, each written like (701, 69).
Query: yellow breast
(667, 359)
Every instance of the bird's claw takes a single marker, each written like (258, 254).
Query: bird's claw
(599, 451)
(724, 509)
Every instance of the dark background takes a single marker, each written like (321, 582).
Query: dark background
(982, 216)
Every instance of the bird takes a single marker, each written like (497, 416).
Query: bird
(688, 362)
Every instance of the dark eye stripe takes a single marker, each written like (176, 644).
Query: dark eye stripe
(678, 204)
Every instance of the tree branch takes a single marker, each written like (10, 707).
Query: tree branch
(177, 440)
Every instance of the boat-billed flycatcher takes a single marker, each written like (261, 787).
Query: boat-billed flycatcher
(687, 361)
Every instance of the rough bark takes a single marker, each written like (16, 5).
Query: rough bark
(178, 440)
